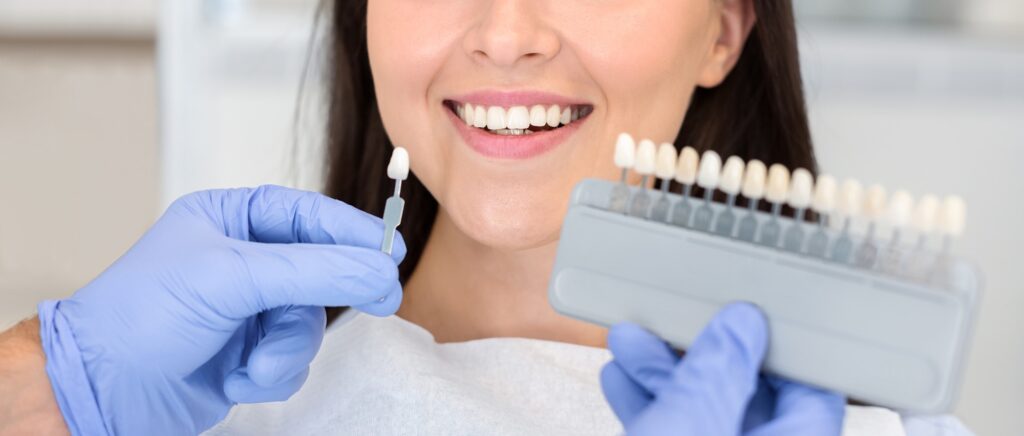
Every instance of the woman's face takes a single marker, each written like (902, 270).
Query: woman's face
(443, 67)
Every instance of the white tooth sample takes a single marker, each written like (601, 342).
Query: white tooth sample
(710, 170)
(923, 218)
(824, 194)
(800, 187)
(646, 157)
(518, 117)
(686, 169)
(625, 151)
(777, 188)
(665, 166)
(952, 216)
(496, 118)
(732, 175)
(566, 116)
(874, 202)
(850, 198)
(538, 116)
(554, 115)
(754, 180)
(479, 117)
(398, 167)
(900, 208)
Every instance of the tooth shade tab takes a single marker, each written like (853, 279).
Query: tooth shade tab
(923, 219)
(538, 116)
(900, 208)
(754, 179)
(645, 157)
(710, 170)
(732, 175)
(778, 184)
(801, 186)
(874, 201)
(850, 198)
(625, 151)
(686, 167)
(824, 194)
(665, 166)
(953, 216)
(398, 167)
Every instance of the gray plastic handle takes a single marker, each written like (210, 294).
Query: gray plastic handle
(878, 339)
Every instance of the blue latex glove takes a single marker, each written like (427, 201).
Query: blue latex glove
(220, 302)
(715, 389)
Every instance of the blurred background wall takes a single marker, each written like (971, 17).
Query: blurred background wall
(110, 109)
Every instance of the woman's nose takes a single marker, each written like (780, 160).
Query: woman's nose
(511, 33)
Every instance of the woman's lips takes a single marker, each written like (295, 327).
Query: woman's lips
(513, 146)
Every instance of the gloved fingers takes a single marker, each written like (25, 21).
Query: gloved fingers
(385, 306)
(801, 409)
(239, 388)
(626, 398)
(282, 215)
(644, 357)
(292, 337)
(307, 275)
(720, 370)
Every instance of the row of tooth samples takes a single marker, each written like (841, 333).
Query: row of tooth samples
(519, 120)
(837, 206)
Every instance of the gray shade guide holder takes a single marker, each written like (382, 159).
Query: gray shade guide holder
(884, 340)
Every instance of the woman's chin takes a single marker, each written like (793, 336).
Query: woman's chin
(509, 225)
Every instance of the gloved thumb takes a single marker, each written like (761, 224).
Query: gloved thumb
(718, 375)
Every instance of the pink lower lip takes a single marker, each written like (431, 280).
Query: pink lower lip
(513, 146)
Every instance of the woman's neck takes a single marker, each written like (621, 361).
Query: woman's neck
(462, 290)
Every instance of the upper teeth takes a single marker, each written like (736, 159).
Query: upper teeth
(517, 117)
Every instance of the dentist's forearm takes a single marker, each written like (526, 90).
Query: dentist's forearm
(27, 405)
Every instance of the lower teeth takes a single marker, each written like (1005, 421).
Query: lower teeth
(511, 132)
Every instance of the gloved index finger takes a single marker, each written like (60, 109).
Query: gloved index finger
(283, 215)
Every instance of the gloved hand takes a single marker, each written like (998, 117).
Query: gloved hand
(715, 388)
(220, 302)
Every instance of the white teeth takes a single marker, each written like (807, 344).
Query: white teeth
(686, 170)
(646, 153)
(496, 118)
(538, 116)
(952, 216)
(778, 183)
(800, 187)
(850, 198)
(625, 151)
(566, 117)
(754, 180)
(824, 194)
(874, 202)
(899, 210)
(479, 117)
(575, 114)
(518, 118)
(468, 114)
(924, 213)
(710, 170)
(732, 175)
(666, 161)
(554, 115)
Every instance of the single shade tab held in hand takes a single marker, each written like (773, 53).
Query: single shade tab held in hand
(398, 170)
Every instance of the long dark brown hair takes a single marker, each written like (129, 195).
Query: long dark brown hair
(758, 112)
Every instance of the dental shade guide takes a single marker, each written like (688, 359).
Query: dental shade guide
(893, 331)
(686, 175)
(664, 170)
(753, 189)
(398, 170)
(646, 155)
(707, 178)
(729, 183)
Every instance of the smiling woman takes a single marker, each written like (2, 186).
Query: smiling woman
(505, 106)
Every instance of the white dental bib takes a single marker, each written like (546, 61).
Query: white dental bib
(388, 376)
